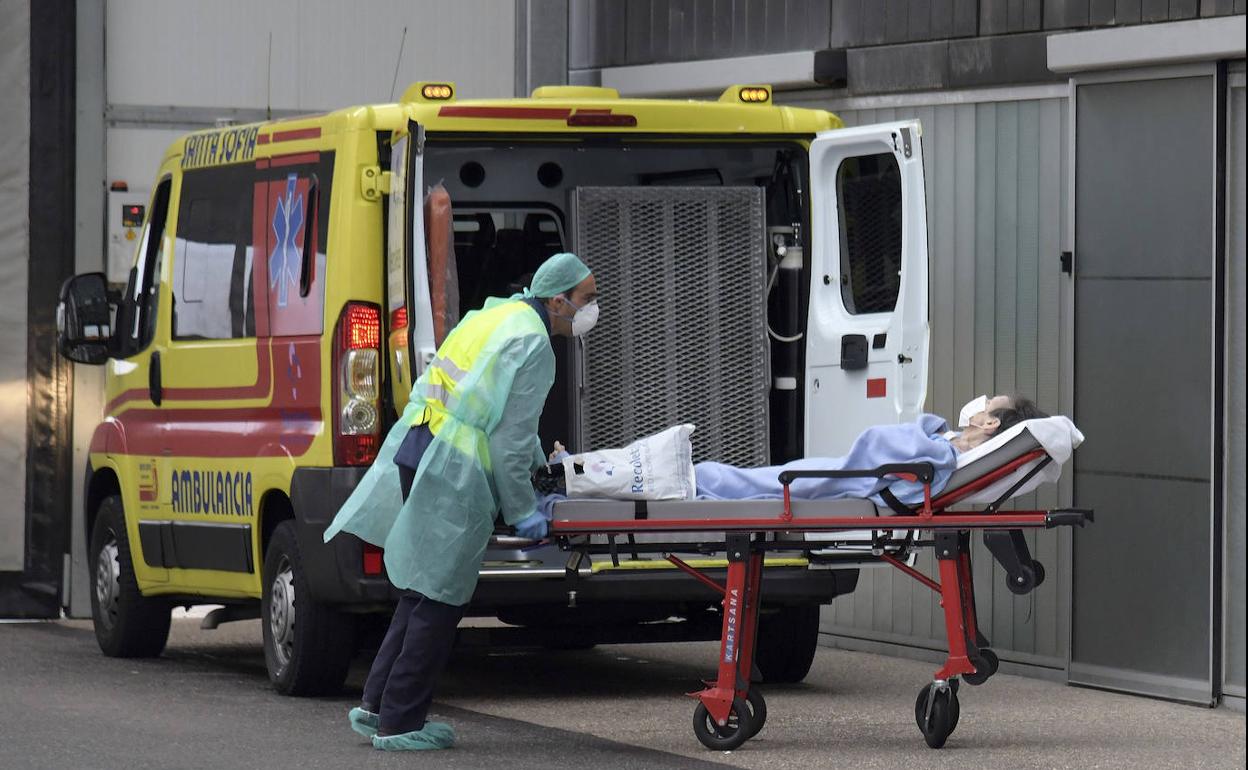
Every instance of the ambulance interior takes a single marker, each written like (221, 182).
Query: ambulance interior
(515, 203)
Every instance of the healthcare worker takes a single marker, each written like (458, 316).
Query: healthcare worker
(464, 449)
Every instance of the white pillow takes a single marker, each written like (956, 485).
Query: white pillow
(1059, 437)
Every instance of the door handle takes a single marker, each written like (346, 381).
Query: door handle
(902, 358)
(153, 378)
(853, 352)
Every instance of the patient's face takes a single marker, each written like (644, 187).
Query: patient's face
(983, 427)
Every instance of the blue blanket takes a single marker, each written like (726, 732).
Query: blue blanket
(917, 442)
(920, 441)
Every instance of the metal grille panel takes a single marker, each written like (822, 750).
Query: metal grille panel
(682, 334)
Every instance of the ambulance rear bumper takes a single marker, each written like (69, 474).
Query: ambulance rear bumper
(334, 570)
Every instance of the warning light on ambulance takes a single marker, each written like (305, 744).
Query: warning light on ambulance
(754, 94)
(437, 91)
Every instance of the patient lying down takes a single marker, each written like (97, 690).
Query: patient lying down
(927, 440)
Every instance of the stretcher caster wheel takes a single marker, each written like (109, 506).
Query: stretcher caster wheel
(1026, 579)
(758, 711)
(936, 712)
(740, 727)
(985, 666)
(1038, 568)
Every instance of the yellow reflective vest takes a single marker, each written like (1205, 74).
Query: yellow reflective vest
(482, 397)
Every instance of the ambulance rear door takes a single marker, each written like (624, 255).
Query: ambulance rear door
(410, 340)
(867, 333)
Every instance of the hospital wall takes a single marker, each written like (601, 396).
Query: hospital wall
(996, 213)
(14, 266)
(1236, 327)
(149, 71)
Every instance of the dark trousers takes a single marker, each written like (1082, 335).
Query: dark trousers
(416, 648)
(409, 662)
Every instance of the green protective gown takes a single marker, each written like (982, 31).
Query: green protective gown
(480, 461)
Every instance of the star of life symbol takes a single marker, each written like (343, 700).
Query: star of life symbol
(286, 259)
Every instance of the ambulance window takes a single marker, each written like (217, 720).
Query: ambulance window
(212, 265)
(868, 193)
(137, 323)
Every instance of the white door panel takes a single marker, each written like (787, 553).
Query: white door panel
(409, 314)
(867, 334)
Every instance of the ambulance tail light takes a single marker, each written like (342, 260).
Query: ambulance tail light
(373, 559)
(357, 359)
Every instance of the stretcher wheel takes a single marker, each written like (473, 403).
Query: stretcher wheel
(985, 666)
(1038, 568)
(943, 718)
(740, 727)
(1027, 578)
(758, 710)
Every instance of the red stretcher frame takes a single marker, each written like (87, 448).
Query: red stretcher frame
(742, 588)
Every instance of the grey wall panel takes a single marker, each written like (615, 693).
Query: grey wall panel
(325, 54)
(998, 17)
(995, 183)
(1154, 10)
(1233, 565)
(1064, 14)
(1151, 339)
(1121, 246)
(14, 267)
(1184, 9)
(1127, 11)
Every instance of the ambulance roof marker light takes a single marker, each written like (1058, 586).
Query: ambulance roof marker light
(747, 94)
(429, 92)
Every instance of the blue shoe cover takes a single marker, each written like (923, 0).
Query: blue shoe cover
(363, 722)
(434, 735)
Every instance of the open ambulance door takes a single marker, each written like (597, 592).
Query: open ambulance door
(410, 339)
(867, 333)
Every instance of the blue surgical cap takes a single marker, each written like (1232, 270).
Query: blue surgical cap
(560, 273)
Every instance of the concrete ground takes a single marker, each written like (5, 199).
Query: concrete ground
(207, 703)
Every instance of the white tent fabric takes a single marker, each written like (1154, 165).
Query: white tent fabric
(14, 264)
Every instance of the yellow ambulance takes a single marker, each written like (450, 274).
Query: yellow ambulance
(763, 272)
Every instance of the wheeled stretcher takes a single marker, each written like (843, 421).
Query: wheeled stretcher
(730, 709)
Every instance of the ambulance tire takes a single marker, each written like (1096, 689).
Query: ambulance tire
(307, 645)
(127, 623)
(786, 643)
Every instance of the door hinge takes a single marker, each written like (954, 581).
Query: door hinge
(1068, 262)
(374, 183)
(906, 147)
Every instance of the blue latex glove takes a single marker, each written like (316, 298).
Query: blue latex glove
(532, 527)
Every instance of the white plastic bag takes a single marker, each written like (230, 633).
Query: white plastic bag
(658, 467)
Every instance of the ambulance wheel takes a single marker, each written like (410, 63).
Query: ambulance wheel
(985, 667)
(939, 724)
(740, 727)
(786, 643)
(127, 624)
(307, 645)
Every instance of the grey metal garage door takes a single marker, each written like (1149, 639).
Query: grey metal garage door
(1143, 362)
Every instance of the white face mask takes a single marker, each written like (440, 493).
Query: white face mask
(971, 409)
(584, 318)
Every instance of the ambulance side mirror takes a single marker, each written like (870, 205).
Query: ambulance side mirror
(84, 319)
